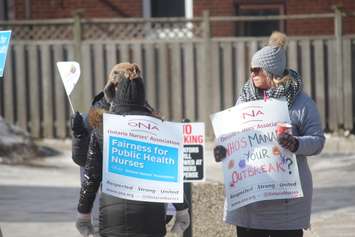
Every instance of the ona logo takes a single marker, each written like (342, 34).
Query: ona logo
(143, 124)
(252, 113)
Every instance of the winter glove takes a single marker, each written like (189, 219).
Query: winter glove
(219, 152)
(182, 221)
(83, 225)
(288, 142)
(77, 124)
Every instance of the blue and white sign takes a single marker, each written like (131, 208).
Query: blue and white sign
(143, 159)
(4, 45)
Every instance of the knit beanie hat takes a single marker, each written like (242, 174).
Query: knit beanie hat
(130, 91)
(125, 85)
(272, 58)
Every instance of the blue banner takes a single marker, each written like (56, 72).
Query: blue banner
(142, 160)
(4, 45)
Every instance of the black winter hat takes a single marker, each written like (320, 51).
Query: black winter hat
(125, 86)
(130, 92)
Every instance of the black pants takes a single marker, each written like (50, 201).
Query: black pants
(246, 232)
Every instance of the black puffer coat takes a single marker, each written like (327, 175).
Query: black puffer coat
(80, 141)
(119, 217)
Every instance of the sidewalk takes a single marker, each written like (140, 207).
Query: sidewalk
(39, 200)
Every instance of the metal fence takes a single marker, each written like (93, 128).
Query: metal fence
(188, 73)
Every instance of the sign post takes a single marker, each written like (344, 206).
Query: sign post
(194, 143)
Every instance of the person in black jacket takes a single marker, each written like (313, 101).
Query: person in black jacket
(119, 217)
(81, 129)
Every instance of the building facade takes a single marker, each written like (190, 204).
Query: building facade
(49, 9)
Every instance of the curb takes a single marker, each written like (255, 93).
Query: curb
(339, 144)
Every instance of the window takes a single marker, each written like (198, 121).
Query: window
(169, 8)
(259, 28)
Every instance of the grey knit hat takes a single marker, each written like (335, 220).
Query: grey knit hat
(272, 58)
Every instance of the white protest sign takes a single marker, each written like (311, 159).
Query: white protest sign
(70, 74)
(142, 159)
(250, 115)
(194, 144)
(256, 167)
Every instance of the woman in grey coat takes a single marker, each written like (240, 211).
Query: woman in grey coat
(270, 78)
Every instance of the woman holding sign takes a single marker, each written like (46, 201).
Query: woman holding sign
(269, 78)
(80, 125)
(120, 217)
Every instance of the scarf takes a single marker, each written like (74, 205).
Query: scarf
(290, 89)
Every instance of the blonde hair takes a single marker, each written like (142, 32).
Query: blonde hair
(283, 80)
(277, 81)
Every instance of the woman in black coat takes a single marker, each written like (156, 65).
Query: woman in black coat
(119, 217)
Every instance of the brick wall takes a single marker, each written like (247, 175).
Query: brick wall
(217, 8)
(46, 9)
(318, 27)
(294, 27)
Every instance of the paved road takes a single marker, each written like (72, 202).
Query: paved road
(334, 196)
(38, 201)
